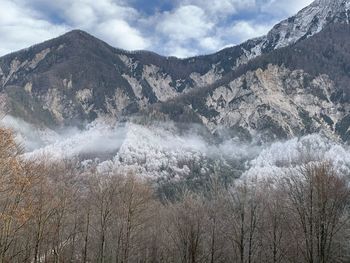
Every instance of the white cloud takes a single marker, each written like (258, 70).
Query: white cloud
(186, 22)
(192, 27)
(22, 24)
(186, 31)
(22, 27)
(210, 43)
(79, 12)
(119, 33)
(244, 30)
(222, 7)
(284, 7)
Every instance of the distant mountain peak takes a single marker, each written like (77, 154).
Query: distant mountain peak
(79, 34)
(307, 22)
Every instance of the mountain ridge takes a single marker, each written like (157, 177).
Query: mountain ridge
(77, 78)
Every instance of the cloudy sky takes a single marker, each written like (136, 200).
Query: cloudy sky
(170, 27)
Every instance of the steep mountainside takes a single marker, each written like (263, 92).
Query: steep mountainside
(295, 90)
(77, 78)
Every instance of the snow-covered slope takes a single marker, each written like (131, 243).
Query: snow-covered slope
(306, 23)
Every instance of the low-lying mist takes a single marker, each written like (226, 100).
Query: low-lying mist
(97, 138)
(162, 151)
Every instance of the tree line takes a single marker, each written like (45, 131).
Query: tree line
(52, 212)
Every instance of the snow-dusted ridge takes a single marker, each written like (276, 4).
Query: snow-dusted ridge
(306, 23)
(309, 21)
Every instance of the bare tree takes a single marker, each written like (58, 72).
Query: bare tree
(318, 198)
(186, 230)
(243, 216)
(273, 229)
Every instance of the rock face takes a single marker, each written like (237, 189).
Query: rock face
(293, 81)
(296, 90)
(274, 103)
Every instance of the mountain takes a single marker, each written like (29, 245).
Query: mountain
(290, 83)
(77, 77)
(296, 90)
